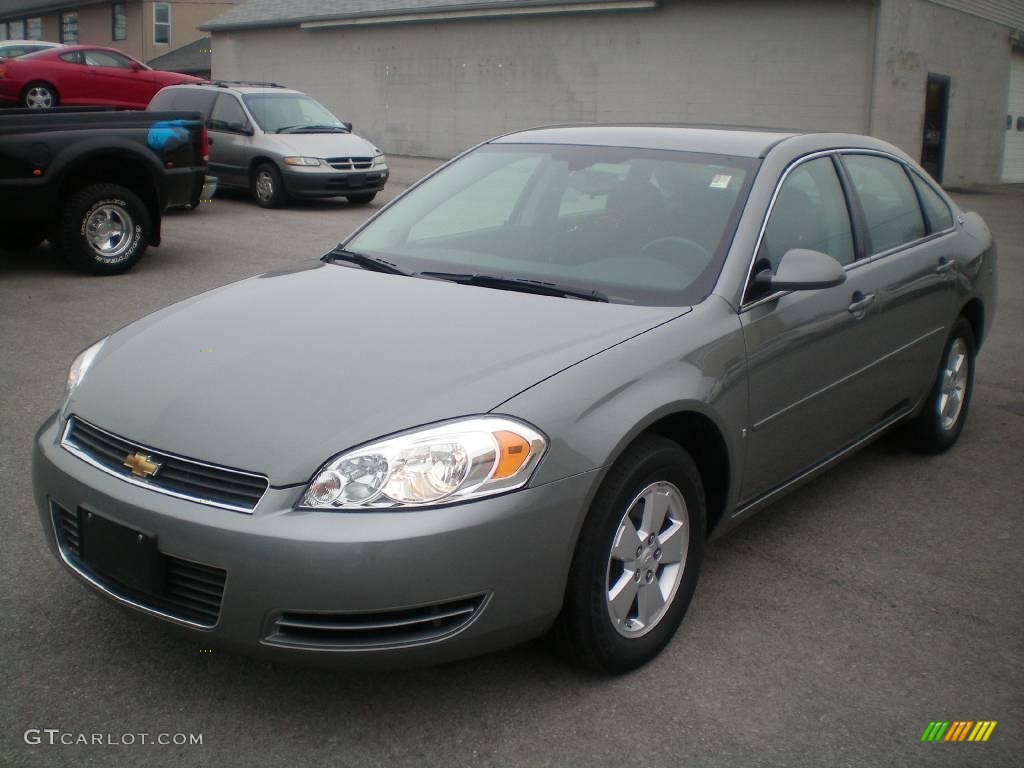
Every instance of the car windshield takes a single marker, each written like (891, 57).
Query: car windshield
(276, 112)
(639, 226)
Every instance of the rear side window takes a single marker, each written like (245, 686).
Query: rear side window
(809, 212)
(194, 99)
(891, 210)
(75, 57)
(935, 208)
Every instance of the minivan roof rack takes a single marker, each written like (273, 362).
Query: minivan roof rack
(249, 83)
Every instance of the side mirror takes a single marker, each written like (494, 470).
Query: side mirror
(240, 128)
(801, 269)
(348, 126)
(136, 67)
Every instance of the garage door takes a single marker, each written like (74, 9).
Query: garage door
(1013, 154)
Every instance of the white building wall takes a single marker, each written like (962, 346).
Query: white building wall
(435, 89)
(917, 37)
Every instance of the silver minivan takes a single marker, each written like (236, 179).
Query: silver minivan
(279, 143)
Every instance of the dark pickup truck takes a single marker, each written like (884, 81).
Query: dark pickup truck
(95, 183)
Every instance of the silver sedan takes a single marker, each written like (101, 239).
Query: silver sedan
(521, 397)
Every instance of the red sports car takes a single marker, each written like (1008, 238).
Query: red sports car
(78, 75)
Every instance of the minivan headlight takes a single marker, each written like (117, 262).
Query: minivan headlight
(303, 161)
(80, 365)
(380, 159)
(463, 459)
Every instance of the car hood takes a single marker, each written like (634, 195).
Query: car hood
(279, 372)
(326, 145)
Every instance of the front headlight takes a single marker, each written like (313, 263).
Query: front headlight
(380, 159)
(304, 161)
(459, 460)
(80, 365)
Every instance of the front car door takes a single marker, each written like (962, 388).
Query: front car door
(812, 356)
(116, 80)
(910, 234)
(230, 139)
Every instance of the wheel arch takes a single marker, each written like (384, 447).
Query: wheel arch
(974, 312)
(38, 81)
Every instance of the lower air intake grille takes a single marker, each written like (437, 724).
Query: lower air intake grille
(410, 626)
(190, 591)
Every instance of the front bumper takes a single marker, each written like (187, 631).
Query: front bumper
(507, 555)
(319, 183)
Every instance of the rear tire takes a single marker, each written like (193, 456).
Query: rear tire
(39, 96)
(268, 186)
(104, 229)
(936, 428)
(362, 199)
(611, 620)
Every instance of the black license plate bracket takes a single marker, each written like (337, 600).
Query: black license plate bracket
(122, 554)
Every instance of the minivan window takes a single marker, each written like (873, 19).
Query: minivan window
(810, 211)
(639, 225)
(227, 114)
(935, 208)
(891, 211)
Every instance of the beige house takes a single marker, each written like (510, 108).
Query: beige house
(143, 29)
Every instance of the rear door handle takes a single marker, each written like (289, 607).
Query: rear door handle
(944, 265)
(861, 303)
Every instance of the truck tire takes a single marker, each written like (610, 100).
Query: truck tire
(104, 229)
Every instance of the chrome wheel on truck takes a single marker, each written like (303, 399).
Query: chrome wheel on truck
(104, 229)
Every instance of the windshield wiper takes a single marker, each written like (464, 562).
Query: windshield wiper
(521, 284)
(371, 263)
(313, 127)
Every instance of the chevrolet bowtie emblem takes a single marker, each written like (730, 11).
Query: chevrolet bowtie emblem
(141, 466)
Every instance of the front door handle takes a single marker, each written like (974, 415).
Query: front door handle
(861, 303)
(944, 265)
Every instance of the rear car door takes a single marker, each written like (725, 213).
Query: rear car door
(911, 234)
(230, 139)
(814, 382)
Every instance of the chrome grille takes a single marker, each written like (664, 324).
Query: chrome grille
(350, 163)
(177, 476)
(355, 631)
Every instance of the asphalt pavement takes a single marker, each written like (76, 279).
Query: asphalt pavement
(827, 631)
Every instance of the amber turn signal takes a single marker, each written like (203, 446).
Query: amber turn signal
(513, 451)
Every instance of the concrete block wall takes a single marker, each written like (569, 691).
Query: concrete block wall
(435, 89)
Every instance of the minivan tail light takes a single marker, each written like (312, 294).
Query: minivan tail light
(204, 145)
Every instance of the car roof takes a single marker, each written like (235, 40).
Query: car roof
(43, 43)
(238, 88)
(736, 141)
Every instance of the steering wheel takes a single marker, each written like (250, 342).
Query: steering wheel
(692, 244)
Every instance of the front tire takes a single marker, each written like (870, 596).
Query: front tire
(39, 96)
(637, 559)
(268, 186)
(104, 229)
(936, 428)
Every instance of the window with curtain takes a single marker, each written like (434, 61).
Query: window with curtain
(69, 28)
(119, 21)
(16, 30)
(34, 28)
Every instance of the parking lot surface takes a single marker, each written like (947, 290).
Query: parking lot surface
(828, 631)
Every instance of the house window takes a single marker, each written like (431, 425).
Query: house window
(119, 21)
(16, 30)
(162, 23)
(3, 36)
(69, 28)
(34, 28)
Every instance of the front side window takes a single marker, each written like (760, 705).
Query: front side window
(891, 211)
(641, 226)
(107, 59)
(69, 28)
(939, 216)
(228, 115)
(161, 23)
(810, 212)
(119, 21)
(284, 112)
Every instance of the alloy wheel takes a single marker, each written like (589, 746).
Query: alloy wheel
(647, 559)
(109, 230)
(953, 387)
